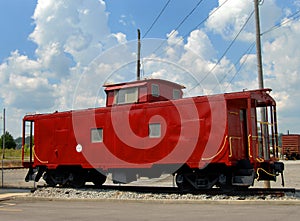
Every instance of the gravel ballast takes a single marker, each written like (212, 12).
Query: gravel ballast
(102, 194)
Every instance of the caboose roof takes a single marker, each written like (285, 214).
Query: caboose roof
(110, 87)
(261, 95)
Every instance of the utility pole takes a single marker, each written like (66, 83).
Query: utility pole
(138, 65)
(264, 130)
(258, 46)
(3, 147)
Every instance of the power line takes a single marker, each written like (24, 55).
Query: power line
(242, 64)
(225, 52)
(276, 26)
(279, 25)
(249, 49)
(204, 20)
(186, 17)
(153, 23)
(196, 27)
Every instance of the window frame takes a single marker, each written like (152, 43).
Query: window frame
(177, 93)
(155, 90)
(96, 138)
(154, 130)
(124, 94)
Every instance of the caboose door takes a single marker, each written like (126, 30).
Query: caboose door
(237, 133)
(27, 143)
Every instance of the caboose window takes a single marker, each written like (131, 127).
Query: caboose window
(125, 96)
(155, 90)
(176, 94)
(154, 130)
(97, 135)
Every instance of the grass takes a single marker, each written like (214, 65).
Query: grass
(12, 157)
(12, 154)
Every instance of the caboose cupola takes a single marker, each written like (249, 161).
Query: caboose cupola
(149, 90)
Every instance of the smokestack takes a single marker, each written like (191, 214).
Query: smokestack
(138, 65)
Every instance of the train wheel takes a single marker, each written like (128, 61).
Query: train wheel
(225, 182)
(182, 183)
(49, 179)
(97, 176)
(99, 179)
(77, 180)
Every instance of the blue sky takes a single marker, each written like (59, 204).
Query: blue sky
(47, 46)
(16, 24)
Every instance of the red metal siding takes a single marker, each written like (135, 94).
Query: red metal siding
(186, 126)
(291, 143)
(196, 131)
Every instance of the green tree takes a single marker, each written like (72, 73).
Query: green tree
(9, 141)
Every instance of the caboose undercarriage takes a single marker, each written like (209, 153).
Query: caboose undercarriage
(215, 175)
(242, 175)
(73, 176)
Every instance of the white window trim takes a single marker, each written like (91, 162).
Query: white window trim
(126, 96)
(97, 135)
(155, 90)
(154, 130)
(176, 92)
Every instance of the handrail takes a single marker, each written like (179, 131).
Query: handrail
(249, 145)
(230, 144)
(260, 160)
(265, 122)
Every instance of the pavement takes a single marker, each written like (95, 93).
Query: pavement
(6, 196)
(16, 209)
(8, 193)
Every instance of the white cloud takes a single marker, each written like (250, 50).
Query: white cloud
(175, 43)
(121, 37)
(72, 28)
(200, 44)
(69, 34)
(127, 20)
(282, 72)
(24, 85)
(231, 17)
(228, 19)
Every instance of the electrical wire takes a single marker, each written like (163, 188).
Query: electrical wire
(249, 49)
(242, 64)
(196, 27)
(158, 16)
(204, 20)
(186, 17)
(279, 25)
(225, 52)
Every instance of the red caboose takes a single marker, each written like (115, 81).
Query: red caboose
(147, 129)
